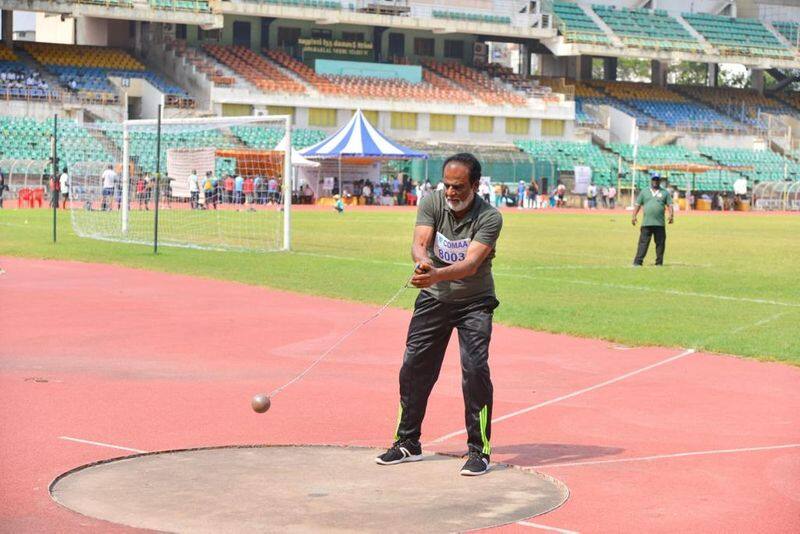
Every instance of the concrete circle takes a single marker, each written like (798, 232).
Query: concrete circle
(301, 489)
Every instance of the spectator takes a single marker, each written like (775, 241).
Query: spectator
(194, 190)
(591, 195)
(339, 205)
(140, 191)
(272, 190)
(248, 188)
(521, 194)
(366, 192)
(208, 190)
(65, 186)
(238, 189)
(148, 190)
(396, 191)
(498, 195)
(561, 192)
(604, 196)
(3, 187)
(229, 185)
(612, 197)
(532, 200)
(109, 179)
(483, 190)
(308, 194)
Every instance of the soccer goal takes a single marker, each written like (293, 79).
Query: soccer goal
(216, 183)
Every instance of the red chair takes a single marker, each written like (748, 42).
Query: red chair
(23, 197)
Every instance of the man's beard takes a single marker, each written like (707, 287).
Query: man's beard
(460, 205)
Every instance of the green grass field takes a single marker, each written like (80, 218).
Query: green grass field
(730, 285)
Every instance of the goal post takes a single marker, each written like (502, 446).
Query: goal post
(225, 183)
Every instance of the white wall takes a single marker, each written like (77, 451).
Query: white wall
(51, 29)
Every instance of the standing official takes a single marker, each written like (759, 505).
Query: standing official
(655, 201)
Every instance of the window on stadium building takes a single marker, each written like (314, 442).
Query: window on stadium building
(397, 44)
(321, 117)
(319, 33)
(371, 115)
(517, 126)
(280, 110)
(453, 49)
(423, 46)
(553, 127)
(288, 36)
(443, 123)
(353, 37)
(180, 31)
(481, 124)
(404, 121)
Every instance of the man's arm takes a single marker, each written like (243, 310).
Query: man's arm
(671, 213)
(636, 212)
(426, 275)
(423, 236)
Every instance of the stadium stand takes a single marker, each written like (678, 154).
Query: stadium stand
(182, 5)
(204, 64)
(86, 70)
(567, 155)
(735, 36)
(765, 165)
(790, 30)
(666, 106)
(254, 68)
(29, 139)
(576, 26)
(743, 105)
(645, 28)
(267, 138)
(472, 17)
(475, 82)
(318, 4)
(531, 87)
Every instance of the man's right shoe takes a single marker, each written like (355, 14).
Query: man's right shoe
(404, 450)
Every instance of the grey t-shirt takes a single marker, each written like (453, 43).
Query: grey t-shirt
(450, 242)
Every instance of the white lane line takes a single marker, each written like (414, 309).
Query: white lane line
(545, 527)
(673, 455)
(573, 394)
(653, 290)
(100, 444)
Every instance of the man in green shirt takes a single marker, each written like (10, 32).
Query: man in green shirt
(654, 200)
(453, 247)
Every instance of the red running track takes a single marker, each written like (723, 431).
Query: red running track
(152, 361)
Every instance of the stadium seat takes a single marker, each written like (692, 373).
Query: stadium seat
(576, 26)
(737, 36)
(647, 28)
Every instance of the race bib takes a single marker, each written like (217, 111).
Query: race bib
(450, 251)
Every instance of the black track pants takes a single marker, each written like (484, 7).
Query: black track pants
(428, 334)
(659, 235)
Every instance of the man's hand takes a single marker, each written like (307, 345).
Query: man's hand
(671, 220)
(425, 275)
(633, 220)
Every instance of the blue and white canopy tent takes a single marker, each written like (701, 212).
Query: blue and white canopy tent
(359, 139)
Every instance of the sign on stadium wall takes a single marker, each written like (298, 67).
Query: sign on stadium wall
(333, 47)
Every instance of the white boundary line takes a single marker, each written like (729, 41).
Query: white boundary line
(573, 394)
(100, 444)
(663, 456)
(632, 287)
(545, 527)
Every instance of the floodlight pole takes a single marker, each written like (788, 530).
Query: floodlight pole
(635, 155)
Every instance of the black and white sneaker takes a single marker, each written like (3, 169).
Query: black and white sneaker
(477, 464)
(404, 450)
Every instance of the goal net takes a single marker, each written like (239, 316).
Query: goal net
(221, 185)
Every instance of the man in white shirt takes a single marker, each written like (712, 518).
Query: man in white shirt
(109, 179)
(739, 190)
(65, 186)
(194, 190)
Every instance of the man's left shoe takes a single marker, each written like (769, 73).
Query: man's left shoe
(477, 464)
